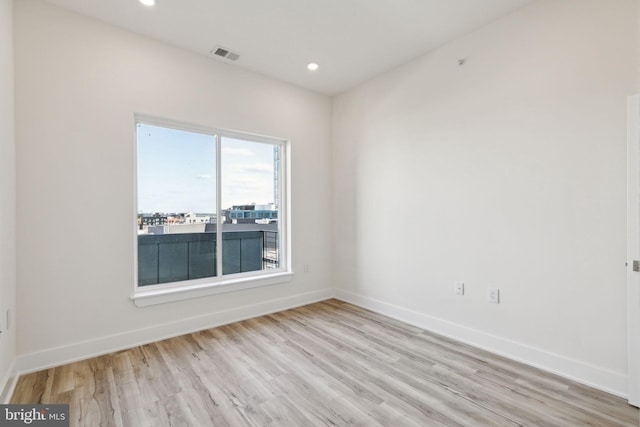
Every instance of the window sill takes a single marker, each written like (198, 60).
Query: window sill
(144, 298)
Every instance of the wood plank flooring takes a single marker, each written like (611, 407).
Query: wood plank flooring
(326, 364)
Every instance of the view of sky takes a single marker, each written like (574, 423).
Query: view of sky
(177, 171)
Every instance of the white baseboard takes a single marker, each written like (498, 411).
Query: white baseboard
(8, 384)
(108, 344)
(576, 370)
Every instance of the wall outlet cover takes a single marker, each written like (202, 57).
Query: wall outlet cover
(493, 295)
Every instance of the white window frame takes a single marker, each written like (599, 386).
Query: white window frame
(178, 291)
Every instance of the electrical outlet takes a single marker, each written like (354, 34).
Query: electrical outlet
(459, 288)
(493, 295)
(306, 268)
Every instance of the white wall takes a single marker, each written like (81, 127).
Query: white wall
(7, 193)
(78, 84)
(507, 172)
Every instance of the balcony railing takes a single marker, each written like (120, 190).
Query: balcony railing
(164, 258)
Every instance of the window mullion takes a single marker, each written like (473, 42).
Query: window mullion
(218, 205)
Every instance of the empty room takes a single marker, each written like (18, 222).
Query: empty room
(312, 213)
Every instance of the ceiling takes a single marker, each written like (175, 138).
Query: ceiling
(352, 40)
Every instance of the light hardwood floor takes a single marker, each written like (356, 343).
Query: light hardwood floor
(329, 363)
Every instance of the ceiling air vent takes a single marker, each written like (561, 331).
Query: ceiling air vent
(224, 54)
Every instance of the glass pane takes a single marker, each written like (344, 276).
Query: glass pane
(250, 199)
(176, 205)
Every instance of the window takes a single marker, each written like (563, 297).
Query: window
(202, 199)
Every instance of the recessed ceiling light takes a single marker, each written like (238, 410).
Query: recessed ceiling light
(312, 66)
(148, 2)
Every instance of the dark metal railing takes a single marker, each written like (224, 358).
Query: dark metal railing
(270, 257)
(165, 258)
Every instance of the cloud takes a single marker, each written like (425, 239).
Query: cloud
(205, 176)
(257, 168)
(244, 189)
(237, 151)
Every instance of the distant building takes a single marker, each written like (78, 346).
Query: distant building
(177, 229)
(146, 220)
(276, 175)
(251, 214)
(192, 218)
(173, 219)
